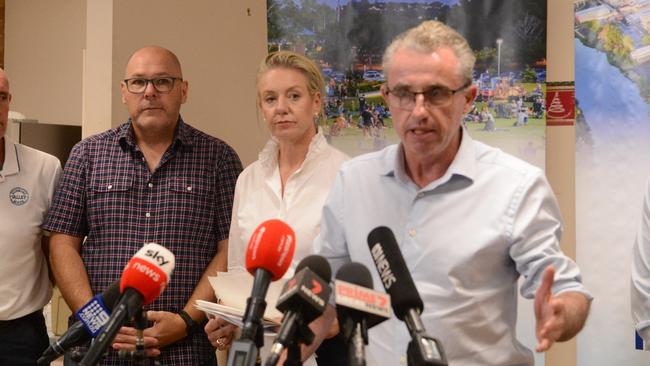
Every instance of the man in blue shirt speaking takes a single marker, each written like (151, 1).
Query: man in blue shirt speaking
(470, 219)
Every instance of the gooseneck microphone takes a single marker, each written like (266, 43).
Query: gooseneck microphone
(303, 299)
(143, 279)
(93, 316)
(407, 303)
(358, 308)
(268, 256)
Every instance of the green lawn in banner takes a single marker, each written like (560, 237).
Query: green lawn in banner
(526, 142)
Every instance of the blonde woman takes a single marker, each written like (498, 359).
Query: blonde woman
(294, 172)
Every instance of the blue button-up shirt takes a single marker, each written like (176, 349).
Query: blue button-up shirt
(466, 237)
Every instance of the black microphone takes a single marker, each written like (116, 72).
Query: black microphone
(79, 333)
(303, 299)
(358, 308)
(407, 303)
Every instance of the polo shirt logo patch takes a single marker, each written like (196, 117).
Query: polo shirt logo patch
(18, 196)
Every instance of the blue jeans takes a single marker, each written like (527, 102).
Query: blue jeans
(23, 340)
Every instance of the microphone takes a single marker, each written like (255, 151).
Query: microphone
(407, 303)
(268, 256)
(93, 316)
(302, 300)
(144, 277)
(358, 308)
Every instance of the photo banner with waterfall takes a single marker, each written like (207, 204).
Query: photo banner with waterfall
(612, 85)
(347, 39)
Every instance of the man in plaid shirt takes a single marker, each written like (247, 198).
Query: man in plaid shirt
(152, 179)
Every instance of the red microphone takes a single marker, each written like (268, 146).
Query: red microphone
(144, 277)
(268, 256)
(271, 248)
(148, 272)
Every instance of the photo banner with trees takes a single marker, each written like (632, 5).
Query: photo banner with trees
(347, 39)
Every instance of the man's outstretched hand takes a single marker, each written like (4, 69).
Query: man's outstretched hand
(558, 317)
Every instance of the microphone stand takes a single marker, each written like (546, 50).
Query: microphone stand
(423, 350)
(139, 356)
(294, 354)
(246, 350)
(358, 340)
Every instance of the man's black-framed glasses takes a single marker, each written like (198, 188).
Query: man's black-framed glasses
(139, 85)
(435, 96)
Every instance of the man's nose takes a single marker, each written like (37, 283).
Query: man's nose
(149, 89)
(419, 106)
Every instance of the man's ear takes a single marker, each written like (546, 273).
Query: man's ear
(184, 90)
(384, 92)
(123, 92)
(470, 95)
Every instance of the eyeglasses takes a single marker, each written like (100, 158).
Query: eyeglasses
(435, 96)
(139, 85)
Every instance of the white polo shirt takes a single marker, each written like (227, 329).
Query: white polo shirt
(27, 182)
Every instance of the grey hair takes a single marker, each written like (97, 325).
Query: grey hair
(429, 36)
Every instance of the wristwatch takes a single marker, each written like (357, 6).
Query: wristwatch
(192, 326)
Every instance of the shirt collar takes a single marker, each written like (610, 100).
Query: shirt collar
(463, 165)
(11, 165)
(269, 155)
(182, 135)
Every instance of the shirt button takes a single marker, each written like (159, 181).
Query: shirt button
(421, 194)
(110, 186)
(189, 188)
(150, 185)
(148, 214)
(402, 359)
(412, 233)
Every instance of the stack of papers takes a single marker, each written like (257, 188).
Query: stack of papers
(233, 289)
(233, 316)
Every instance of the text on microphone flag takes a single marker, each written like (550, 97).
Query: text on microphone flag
(362, 298)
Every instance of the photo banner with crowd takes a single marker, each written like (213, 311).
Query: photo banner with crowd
(347, 39)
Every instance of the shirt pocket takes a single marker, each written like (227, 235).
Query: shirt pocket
(191, 205)
(111, 200)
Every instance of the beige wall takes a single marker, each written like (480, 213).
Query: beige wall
(97, 69)
(43, 57)
(560, 147)
(219, 43)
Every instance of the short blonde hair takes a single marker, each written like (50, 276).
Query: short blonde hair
(295, 61)
(430, 36)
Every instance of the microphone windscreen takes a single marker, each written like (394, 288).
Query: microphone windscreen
(271, 248)
(111, 295)
(393, 272)
(355, 273)
(148, 272)
(318, 265)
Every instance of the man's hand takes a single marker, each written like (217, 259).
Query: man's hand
(167, 329)
(220, 333)
(558, 318)
(125, 340)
